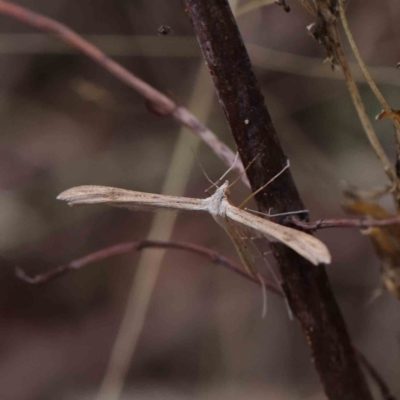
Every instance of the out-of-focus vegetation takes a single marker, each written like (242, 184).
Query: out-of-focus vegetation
(66, 122)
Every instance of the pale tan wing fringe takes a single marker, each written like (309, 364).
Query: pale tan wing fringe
(82, 195)
(306, 245)
(238, 235)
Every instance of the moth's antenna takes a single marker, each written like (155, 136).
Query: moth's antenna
(201, 167)
(215, 184)
(230, 168)
(264, 186)
(206, 175)
(245, 170)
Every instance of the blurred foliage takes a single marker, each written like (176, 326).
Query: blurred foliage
(66, 122)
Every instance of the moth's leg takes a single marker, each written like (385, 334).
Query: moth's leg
(245, 170)
(230, 168)
(276, 278)
(264, 186)
(261, 255)
(269, 215)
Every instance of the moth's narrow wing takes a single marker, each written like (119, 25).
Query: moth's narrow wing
(115, 197)
(306, 245)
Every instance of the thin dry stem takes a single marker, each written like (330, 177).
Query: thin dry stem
(364, 68)
(158, 102)
(355, 95)
(362, 223)
(128, 247)
(213, 256)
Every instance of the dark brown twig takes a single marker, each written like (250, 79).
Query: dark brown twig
(362, 223)
(307, 288)
(157, 101)
(128, 247)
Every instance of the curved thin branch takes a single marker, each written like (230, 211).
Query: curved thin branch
(212, 255)
(156, 101)
(358, 103)
(364, 68)
(329, 22)
(128, 247)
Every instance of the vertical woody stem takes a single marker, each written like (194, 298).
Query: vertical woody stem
(307, 288)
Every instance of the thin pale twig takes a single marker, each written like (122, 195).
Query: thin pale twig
(158, 102)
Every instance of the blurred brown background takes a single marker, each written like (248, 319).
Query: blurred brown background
(66, 122)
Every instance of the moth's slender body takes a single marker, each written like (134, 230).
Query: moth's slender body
(234, 220)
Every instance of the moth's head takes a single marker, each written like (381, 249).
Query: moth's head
(224, 188)
(222, 191)
(218, 201)
(218, 189)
